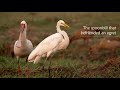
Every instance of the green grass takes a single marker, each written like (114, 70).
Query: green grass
(60, 68)
(9, 66)
(74, 62)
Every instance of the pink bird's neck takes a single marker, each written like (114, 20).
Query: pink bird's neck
(22, 36)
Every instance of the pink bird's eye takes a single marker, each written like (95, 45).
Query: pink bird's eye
(23, 26)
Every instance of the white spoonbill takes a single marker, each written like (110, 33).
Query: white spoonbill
(23, 46)
(53, 43)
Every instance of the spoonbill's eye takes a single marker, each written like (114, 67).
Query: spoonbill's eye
(22, 25)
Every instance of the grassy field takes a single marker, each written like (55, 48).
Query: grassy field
(74, 62)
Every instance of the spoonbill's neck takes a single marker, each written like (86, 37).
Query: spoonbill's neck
(22, 36)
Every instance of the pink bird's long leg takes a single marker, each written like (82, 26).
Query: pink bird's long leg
(19, 70)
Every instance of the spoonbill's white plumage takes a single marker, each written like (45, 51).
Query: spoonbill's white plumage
(23, 46)
(53, 43)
